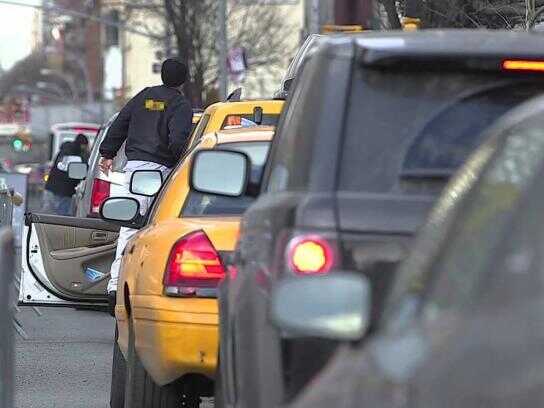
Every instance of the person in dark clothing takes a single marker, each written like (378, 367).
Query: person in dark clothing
(83, 143)
(156, 125)
(60, 188)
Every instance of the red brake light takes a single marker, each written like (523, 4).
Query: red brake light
(100, 192)
(310, 255)
(193, 263)
(85, 129)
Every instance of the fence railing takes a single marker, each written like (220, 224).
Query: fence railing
(6, 347)
(6, 207)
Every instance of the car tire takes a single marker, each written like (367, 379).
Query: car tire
(118, 376)
(142, 392)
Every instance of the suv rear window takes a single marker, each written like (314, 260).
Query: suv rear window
(198, 204)
(409, 131)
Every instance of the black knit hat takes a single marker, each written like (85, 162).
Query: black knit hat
(81, 139)
(173, 73)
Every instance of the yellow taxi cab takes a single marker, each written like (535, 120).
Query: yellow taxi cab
(167, 315)
(228, 115)
(74, 271)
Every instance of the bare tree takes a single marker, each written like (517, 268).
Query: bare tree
(193, 27)
(493, 14)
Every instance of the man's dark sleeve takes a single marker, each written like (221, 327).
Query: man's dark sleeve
(118, 131)
(180, 124)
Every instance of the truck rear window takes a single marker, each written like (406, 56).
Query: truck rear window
(409, 131)
(198, 204)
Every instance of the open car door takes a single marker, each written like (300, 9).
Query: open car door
(66, 260)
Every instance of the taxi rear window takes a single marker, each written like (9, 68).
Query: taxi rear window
(241, 121)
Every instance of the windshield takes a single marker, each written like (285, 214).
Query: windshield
(412, 130)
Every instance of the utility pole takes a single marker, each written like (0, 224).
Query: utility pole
(223, 44)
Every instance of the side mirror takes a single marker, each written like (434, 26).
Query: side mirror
(287, 85)
(77, 171)
(220, 172)
(146, 182)
(336, 306)
(123, 211)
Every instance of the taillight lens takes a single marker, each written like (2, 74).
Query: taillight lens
(193, 263)
(523, 65)
(100, 192)
(310, 254)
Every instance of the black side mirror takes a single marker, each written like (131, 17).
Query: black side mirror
(146, 182)
(123, 211)
(220, 172)
(287, 85)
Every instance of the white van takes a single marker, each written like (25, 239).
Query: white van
(67, 132)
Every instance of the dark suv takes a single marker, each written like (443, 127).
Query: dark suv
(463, 325)
(370, 134)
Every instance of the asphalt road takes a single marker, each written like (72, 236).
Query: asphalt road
(62, 356)
(66, 360)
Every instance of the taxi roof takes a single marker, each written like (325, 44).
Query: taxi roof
(250, 134)
(246, 106)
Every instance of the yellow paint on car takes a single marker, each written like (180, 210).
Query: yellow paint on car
(174, 335)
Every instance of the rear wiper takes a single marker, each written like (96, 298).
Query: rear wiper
(426, 174)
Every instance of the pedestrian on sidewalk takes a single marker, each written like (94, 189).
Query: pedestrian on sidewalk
(156, 125)
(59, 188)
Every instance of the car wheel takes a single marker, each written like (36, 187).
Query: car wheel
(118, 376)
(142, 392)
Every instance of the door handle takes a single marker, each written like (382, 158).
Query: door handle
(99, 236)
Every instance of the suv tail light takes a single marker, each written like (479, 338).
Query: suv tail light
(100, 191)
(193, 263)
(310, 254)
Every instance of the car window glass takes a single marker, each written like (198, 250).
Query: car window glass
(199, 131)
(243, 121)
(95, 149)
(290, 170)
(469, 229)
(482, 225)
(420, 126)
(199, 204)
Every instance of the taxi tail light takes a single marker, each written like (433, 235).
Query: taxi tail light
(310, 255)
(100, 192)
(193, 263)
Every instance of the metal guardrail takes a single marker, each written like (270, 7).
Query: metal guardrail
(7, 265)
(6, 208)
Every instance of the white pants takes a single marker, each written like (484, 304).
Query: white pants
(125, 234)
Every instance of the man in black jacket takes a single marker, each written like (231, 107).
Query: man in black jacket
(156, 125)
(59, 188)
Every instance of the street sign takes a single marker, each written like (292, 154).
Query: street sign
(237, 64)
